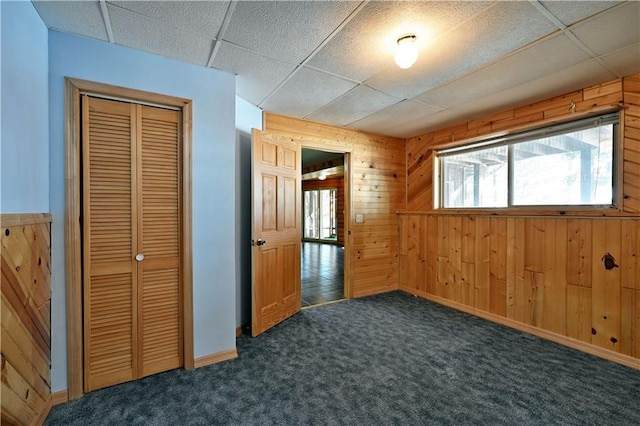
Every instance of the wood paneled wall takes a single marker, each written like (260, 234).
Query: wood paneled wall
(377, 191)
(26, 319)
(542, 272)
(337, 183)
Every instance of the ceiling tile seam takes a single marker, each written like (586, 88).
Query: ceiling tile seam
(604, 12)
(333, 74)
(328, 104)
(465, 22)
(333, 33)
(335, 100)
(585, 49)
(393, 105)
(107, 21)
(223, 28)
(547, 14)
(567, 31)
(255, 52)
(163, 23)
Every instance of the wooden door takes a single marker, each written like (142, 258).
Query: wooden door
(131, 241)
(276, 230)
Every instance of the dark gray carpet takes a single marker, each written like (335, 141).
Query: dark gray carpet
(386, 359)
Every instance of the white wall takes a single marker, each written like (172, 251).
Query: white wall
(25, 110)
(214, 160)
(248, 116)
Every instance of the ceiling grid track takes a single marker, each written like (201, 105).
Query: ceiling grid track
(566, 31)
(107, 20)
(223, 28)
(316, 50)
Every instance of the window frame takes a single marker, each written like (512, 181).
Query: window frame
(510, 140)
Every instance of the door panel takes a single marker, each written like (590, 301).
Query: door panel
(159, 273)
(276, 220)
(109, 241)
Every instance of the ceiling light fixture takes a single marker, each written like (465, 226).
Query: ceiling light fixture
(322, 177)
(407, 53)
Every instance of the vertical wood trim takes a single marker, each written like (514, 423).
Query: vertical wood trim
(618, 163)
(348, 239)
(86, 236)
(73, 273)
(187, 259)
(72, 245)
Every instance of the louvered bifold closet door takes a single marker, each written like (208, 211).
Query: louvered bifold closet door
(109, 243)
(131, 241)
(159, 238)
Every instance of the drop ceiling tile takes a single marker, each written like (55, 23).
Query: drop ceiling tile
(439, 120)
(367, 43)
(612, 30)
(535, 61)
(82, 18)
(142, 33)
(570, 12)
(498, 30)
(250, 85)
(396, 120)
(625, 61)
(284, 30)
(198, 17)
(564, 81)
(359, 102)
(306, 91)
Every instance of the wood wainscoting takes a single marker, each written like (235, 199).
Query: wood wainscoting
(539, 271)
(26, 318)
(543, 273)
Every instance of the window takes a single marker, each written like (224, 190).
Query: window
(320, 214)
(569, 164)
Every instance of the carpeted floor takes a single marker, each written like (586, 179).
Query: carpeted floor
(386, 359)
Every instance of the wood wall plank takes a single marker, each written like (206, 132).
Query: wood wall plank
(630, 322)
(579, 313)
(606, 285)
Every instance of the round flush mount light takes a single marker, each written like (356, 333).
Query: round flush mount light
(407, 52)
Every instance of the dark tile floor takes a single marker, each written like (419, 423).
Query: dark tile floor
(322, 273)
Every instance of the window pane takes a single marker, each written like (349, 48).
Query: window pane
(476, 179)
(570, 169)
(325, 212)
(311, 214)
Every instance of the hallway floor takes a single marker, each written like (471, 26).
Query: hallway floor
(322, 273)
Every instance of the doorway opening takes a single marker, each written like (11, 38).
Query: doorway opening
(323, 239)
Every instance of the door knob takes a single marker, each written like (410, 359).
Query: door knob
(139, 257)
(261, 242)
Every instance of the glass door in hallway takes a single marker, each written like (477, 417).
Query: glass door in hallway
(320, 214)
